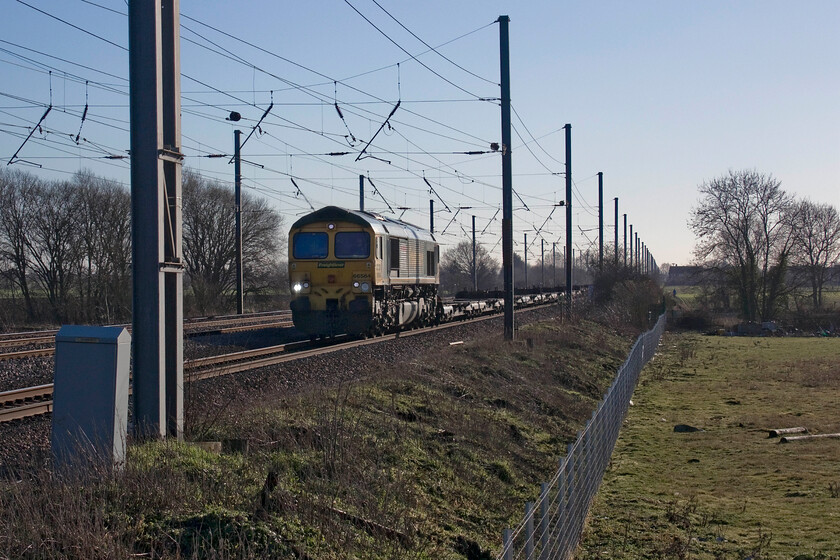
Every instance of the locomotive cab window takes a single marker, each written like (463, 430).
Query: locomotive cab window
(308, 245)
(431, 269)
(394, 254)
(352, 245)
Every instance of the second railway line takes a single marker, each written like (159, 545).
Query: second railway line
(37, 400)
(19, 345)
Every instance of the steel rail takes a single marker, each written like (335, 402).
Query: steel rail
(242, 355)
(47, 335)
(25, 411)
(23, 334)
(248, 327)
(228, 368)
(49, 351)
(45, 339)
(22, 403)
(226, 364)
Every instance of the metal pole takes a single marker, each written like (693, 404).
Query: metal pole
(568, 128)
(431, 216)
(507, 176)
(543, 521)
(637, 252)
(529, 530)
(625, 240)
(600, 220)
(641, 257)
(362, 193)
(616, 232)
(631, 246)
(157, 266)
(542, 264)
(526, 261)
(475, 262)
(237, 170)
(507, 544)
(565, 263)
(554, 263)
(173, 264)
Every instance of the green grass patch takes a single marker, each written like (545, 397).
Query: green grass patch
(728, 491)
(686, 296)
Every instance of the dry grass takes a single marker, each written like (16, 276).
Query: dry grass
(430, 459)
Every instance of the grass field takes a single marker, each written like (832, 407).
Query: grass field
(688, 296)
(728, 491)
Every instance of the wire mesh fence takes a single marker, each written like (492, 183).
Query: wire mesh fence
(551, 525)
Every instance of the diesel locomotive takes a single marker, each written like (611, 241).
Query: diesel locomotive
(360, 273)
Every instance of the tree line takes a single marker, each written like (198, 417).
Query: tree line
(65, 248)
(763, 245)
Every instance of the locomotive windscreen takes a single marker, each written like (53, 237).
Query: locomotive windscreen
(352, 245)
(307, 245)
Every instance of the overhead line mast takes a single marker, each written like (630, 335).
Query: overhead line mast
(507, 176)
(157, 263)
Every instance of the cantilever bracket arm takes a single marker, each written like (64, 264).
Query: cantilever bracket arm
(31, 132)
(391, 114)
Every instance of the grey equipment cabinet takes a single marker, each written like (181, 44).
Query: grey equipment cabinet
(90, 396)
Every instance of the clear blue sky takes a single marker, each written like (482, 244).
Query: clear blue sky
(660, 95)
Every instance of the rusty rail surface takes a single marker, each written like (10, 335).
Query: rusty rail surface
(22, 403)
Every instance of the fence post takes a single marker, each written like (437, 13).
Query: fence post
(561, 496)
(580, 472)
(529, 530)
(544, 521)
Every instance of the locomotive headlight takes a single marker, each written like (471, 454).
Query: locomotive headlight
(306, 285)
(297, 287)
(365, 287)
(355, 284)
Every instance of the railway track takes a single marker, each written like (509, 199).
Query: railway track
(22, 403)
(224, 325)
(35, 401)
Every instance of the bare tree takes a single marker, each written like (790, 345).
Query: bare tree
(103, 224)
(115, 268)
(263, 244)
(817, 241)
(16, 208)
(53, 243)
(743, 227)
(209, 241)
(456, 267)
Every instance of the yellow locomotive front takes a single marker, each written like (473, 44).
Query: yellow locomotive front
(331, 272)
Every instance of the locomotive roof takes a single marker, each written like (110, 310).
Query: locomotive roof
(377, 222)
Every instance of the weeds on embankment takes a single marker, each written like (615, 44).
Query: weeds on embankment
(428, 459)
